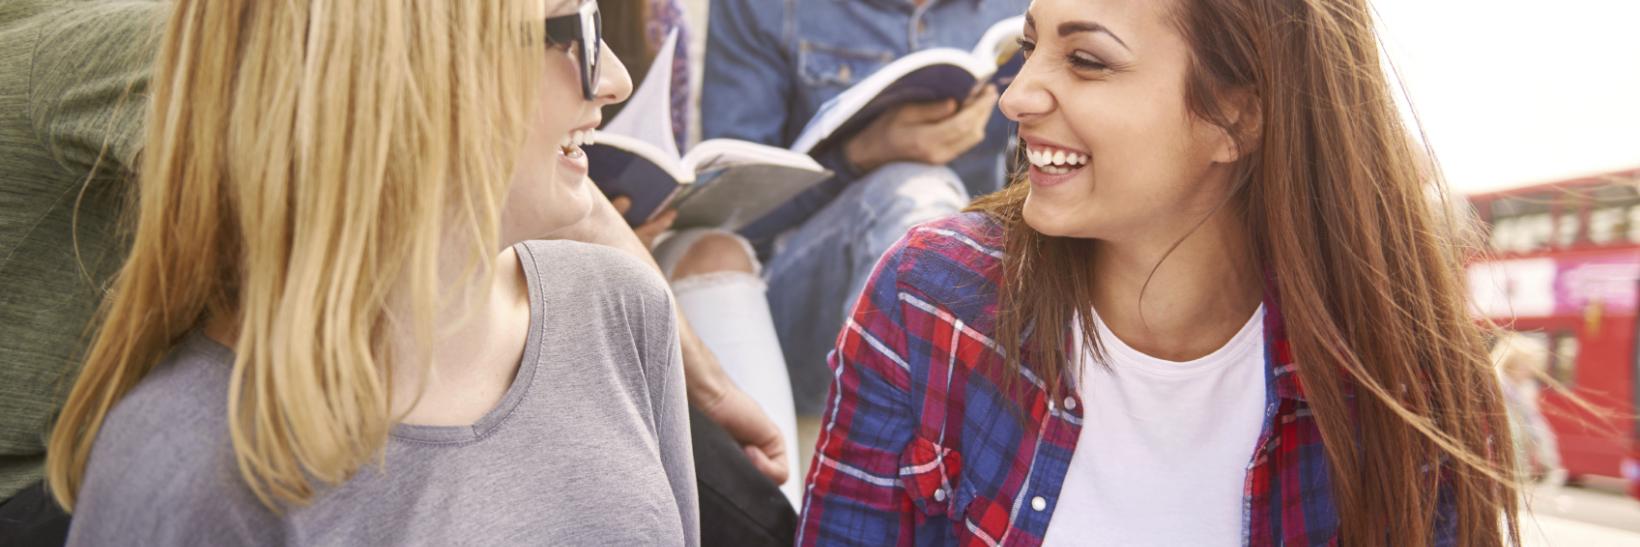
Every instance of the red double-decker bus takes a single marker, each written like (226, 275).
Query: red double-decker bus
(1563, 264)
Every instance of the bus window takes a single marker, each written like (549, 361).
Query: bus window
(1607, 225)
(1566, 228)
(1522, 224)
(1634, 224)
(1569, 218)
(1611, 214)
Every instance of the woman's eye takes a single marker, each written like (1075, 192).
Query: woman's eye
(1025, 46)
(1084, 61)
(560, 46)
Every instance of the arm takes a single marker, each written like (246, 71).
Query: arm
(708, 387)
(855, 492)
(672, 432)
(89, 83)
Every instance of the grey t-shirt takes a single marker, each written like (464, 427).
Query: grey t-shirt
(589, 446)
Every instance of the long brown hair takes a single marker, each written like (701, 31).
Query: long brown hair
(1366, 269)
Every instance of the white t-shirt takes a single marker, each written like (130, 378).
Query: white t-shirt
(1163, 454)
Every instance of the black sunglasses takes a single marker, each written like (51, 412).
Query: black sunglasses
(585, 27)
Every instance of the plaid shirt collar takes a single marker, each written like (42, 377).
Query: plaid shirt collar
(1281, 373)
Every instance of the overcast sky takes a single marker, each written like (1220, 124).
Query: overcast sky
(1512, 92)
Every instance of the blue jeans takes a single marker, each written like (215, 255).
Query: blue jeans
(819, 268)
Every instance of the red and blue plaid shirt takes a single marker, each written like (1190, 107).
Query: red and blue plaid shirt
(921, 445)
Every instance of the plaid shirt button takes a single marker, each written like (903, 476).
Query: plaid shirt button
(1038, 503)
(939, 494)
(1070, 403)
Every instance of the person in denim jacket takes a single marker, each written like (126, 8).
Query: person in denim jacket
(769, 66)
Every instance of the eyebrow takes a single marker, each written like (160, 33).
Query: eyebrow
(1074, 27)
(1077, 27)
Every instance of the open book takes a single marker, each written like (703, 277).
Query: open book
(928, 75)
(721, 183)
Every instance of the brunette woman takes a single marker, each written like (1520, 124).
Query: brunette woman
(1219, 309)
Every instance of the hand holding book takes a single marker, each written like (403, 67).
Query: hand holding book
(650, 229)
(930, 132)
(929, 75)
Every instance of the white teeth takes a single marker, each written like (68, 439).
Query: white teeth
(575, 139)
(1051, 158)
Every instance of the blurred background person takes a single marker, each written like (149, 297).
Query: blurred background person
(1522, 364)
(716, 279)
(769, 66)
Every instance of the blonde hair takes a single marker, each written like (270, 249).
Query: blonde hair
(303, 163)
(1514, 352)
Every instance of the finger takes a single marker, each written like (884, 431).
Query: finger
(659, 224)
(979, 89)
(980, 105)
(926, 112)
(774, 469)
(968, 126)
(621, 203)
(662, 221)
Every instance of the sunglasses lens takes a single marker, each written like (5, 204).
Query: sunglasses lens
(592, 33)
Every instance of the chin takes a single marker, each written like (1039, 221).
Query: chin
(1050, 219)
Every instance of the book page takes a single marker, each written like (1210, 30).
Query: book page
(718, 154)
(1001, 41)
(1001, 46)
(733, 197)
(647, 115)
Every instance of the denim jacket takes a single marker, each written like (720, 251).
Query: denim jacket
(770, 64)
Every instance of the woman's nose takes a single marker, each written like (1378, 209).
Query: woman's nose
(614, 84)
(1026, 98)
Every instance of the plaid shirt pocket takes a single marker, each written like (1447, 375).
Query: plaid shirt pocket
(928, 472)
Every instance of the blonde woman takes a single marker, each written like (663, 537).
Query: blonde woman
(333, 328)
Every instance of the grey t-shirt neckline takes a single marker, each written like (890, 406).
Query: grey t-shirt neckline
(451, 434)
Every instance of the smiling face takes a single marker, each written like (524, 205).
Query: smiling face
(550, 189)
(1115, 152)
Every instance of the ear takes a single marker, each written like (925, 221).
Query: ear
(1244, 128)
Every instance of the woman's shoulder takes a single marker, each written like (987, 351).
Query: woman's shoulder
(164, 455)
(576, 270)
(971, 241)
(592, 292)
(183, 401)
(958, 256)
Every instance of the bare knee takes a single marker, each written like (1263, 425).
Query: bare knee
(715, 252)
